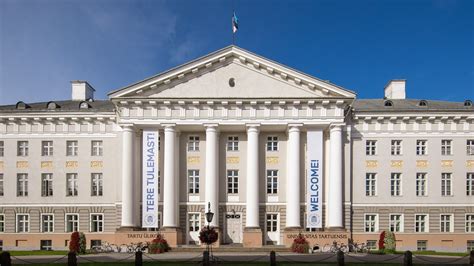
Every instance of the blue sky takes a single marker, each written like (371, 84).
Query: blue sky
(359, 45)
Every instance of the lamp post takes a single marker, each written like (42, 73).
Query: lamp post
(209, 216)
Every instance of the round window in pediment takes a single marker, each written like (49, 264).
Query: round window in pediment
(232, 82)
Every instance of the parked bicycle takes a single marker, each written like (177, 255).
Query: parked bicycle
(105, 247)
(335, 247)
(134, 247)
(358, 248)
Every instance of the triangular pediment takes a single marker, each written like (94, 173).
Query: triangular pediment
(231, 73)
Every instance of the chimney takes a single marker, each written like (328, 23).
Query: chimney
(82, 90)
(395, 89)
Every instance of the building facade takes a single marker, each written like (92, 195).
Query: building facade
(271, 151)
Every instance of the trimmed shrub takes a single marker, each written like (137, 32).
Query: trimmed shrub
(300, 244)
(82, 243)
(74, 245)
(390, 242)
(78, 243)
(382, 241)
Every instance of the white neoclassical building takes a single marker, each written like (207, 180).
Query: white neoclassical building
(271, 151)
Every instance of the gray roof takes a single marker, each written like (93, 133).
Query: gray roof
(63, 106)
(409, 105)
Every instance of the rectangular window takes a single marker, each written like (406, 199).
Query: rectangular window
(446, 184)
(370, 184)
(97, 222)
(446, 147)
(421, 245)
(193, 143)
(396, 184)
(370, 147)
(272, 222)
(71, 184)
(396, 223)
(272, 143)
(72, 148)
(421, 148)
(469, 184)
(193, 177)
(47, 223)
(22, 185)
(371, 244)
(46, 185)
(46, 148)
(96, 184)
(446, 223)
(96, 243)
(2, 148)
(72, 223)
(370, 223)
(2, 223)
(469, 223)
(396, 147)
(46, 245)
(470, 245)
(194, 223)
(22, 223)
(421, 223)
(232, 181)
(470, 147)
(272, 181)
(97, 148)
(233, 143)
(22, 148)
(1, 185)
(421, 185)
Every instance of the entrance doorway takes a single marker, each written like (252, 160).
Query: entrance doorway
(193, 228)
(272, 230)
(233, 228)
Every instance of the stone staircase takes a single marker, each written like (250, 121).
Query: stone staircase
(231, 248)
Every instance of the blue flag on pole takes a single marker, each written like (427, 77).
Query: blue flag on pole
(235, 23)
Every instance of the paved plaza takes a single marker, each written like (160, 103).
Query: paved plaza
(223, 257)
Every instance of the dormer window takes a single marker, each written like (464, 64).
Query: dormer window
(52, 105)
(423, 103)
(467, 103)
(21, 105)
(84, 105)
(388, 103)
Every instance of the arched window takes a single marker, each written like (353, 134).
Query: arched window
(467, 103)
(388, 103)
(84, 105)
(21, 105)
(52, 105)
(423, 103)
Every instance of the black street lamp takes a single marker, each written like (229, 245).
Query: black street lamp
(209, 215)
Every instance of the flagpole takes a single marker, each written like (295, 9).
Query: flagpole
(233, 32)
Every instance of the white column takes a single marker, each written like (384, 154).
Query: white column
(252, 178)
(212, 166)
(293, 178)
(335, 179)
(170, 206)
(127, 177)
